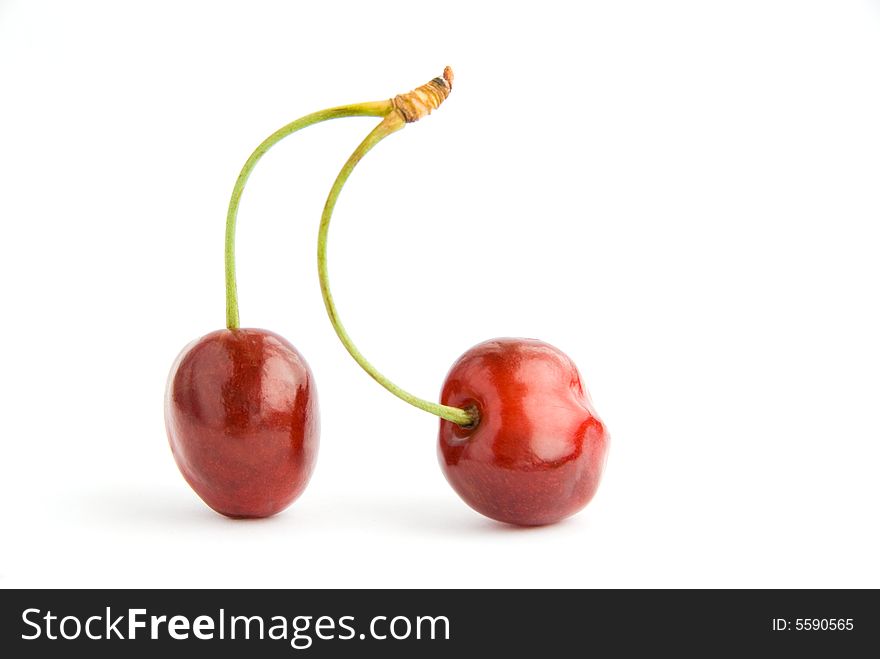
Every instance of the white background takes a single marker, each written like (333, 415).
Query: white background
(683, 196)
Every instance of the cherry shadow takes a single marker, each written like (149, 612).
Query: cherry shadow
(170, 510)
(426, 516)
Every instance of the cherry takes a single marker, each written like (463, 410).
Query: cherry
(242, 418)
(519, 439)
(535, 452)
(241, 411)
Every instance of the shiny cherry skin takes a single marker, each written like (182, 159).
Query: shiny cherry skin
(241, 413)
(537, 451)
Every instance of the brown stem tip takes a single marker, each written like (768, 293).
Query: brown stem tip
(420, 102)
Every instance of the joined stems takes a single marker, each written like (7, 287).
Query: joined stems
(396, 113)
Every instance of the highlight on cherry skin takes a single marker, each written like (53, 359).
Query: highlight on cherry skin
(241, 413)
(536, 450)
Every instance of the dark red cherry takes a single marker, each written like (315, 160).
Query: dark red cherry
(242, 418)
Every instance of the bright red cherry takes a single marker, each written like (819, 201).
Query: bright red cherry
(536, 452)
(519, 439)
(242, 418)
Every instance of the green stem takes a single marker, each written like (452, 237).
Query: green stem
(390, 124)
(371, 109)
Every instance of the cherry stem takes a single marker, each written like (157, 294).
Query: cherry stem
(390, 124)
(370, 109)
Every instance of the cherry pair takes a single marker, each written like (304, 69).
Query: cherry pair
(519, 439)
